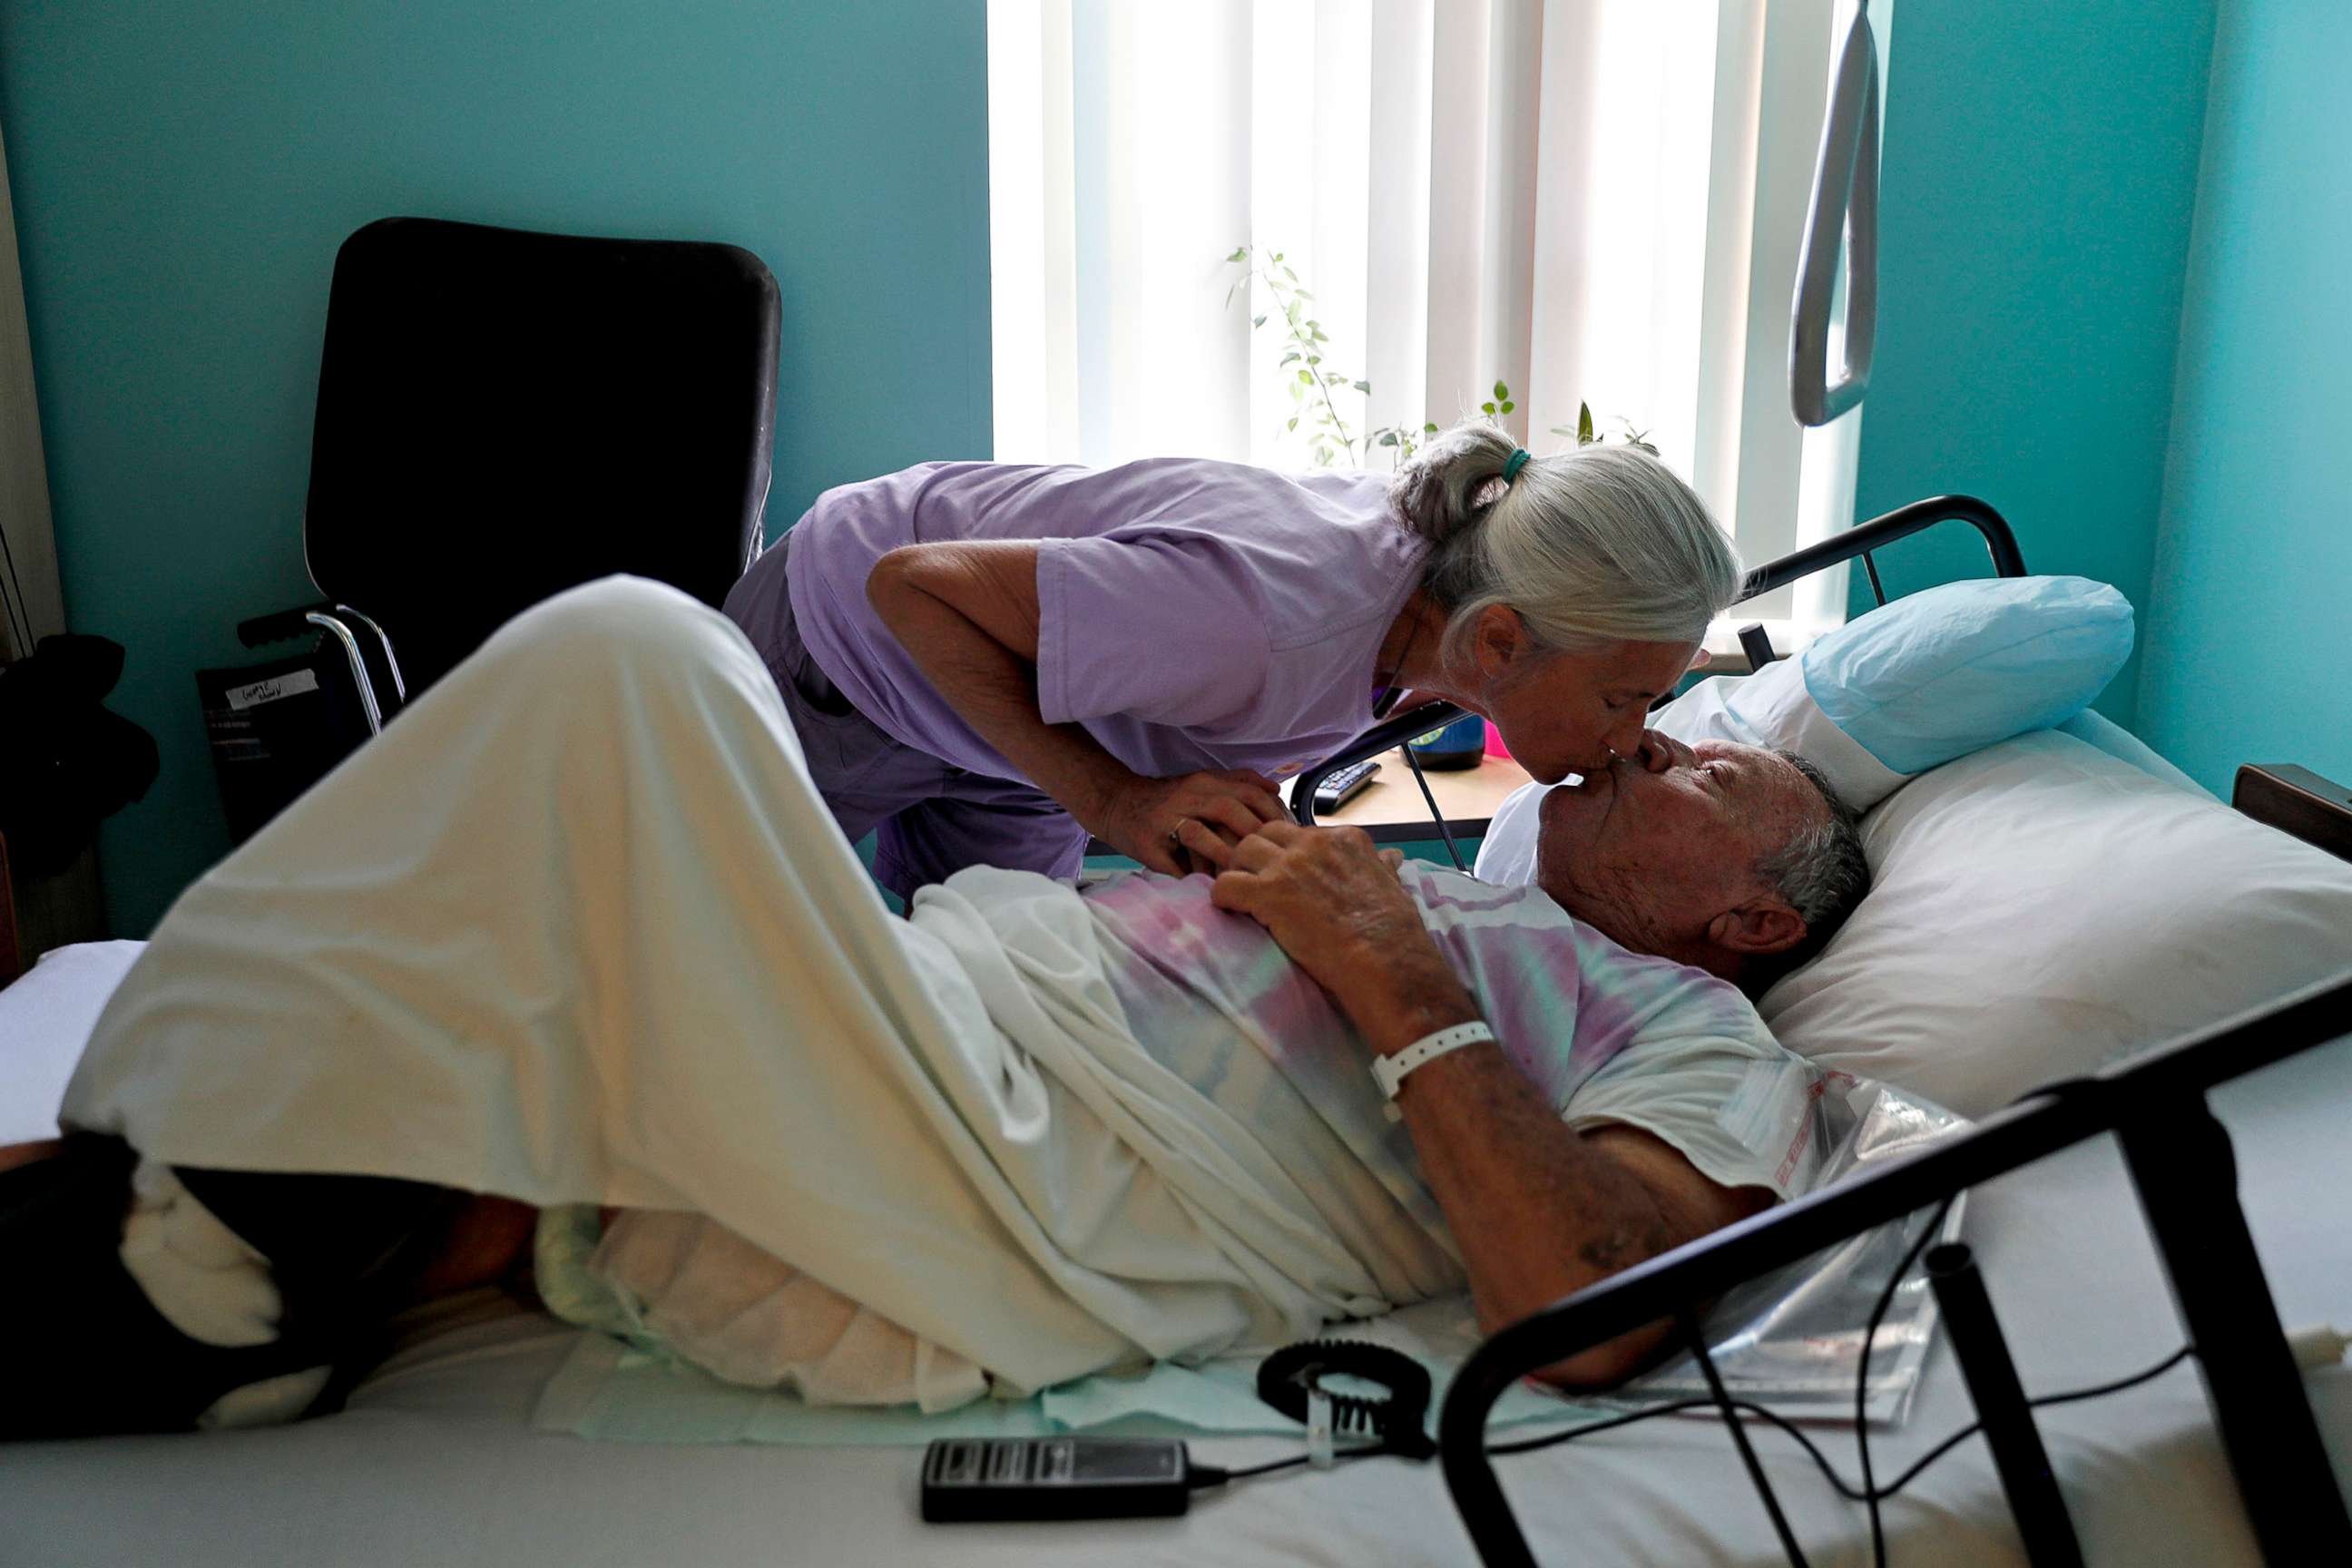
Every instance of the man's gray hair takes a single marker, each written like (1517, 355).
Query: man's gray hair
(1596, 545)
(1821, 873)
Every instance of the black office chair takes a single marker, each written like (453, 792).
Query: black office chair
(501, 415)
(505, 415)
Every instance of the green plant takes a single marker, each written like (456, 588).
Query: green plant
(1317, 389)
(1586, 437)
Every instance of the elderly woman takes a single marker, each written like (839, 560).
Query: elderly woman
(988, 662)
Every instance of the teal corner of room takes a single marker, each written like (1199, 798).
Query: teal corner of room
(182, 176)
(2112, 251)
(2041, 174)
(2253, 559)
(2111, 244)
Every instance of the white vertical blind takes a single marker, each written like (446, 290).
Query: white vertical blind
(1170, 142)
(1031, 237)
(1396, 229)
(1596, 201)
(1628, 105)
(1485, 64)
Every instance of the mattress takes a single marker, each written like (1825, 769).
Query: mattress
(436, 1460)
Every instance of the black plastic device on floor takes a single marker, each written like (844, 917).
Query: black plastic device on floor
(976, 1479)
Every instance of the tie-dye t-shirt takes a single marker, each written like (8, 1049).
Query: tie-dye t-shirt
(1605, 1033)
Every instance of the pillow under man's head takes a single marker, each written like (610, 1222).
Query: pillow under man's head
(1780, 761)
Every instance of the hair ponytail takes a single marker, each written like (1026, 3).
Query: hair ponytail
(1441, 491)
(1599, 543)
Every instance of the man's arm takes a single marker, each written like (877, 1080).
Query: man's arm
(1538, 1209)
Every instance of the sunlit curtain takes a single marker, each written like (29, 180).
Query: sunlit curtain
(66, 907)
(30, 605)
(1594, 202)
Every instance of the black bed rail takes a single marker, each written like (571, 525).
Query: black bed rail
(1385, 736)
(1862, 540)
(2181, 1161)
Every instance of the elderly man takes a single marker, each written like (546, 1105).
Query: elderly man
(573, 935)
(1730, 859)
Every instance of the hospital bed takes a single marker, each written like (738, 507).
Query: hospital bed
(434, 1462)
(437, 1458)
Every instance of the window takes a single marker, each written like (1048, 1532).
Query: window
(1596, 202)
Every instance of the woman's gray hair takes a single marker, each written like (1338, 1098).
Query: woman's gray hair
(1600, 543)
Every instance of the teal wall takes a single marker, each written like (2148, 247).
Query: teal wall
(2040, 175)
(2253, 563)
(183, 171)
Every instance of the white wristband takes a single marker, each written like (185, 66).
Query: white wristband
(1391, 1070)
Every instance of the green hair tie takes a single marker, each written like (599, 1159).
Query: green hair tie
(1515, 462)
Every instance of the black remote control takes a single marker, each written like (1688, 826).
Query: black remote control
(973, 1479)
(1340, 788)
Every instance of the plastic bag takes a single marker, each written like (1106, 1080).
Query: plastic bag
(1791, 1338)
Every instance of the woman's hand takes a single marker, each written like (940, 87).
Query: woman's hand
(1185, 823)
(1335, 905)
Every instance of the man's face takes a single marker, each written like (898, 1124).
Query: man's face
(1659, 850)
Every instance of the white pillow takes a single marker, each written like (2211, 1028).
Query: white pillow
(46, 1018)
(1508, 853)
(1913, 683)
(1921, 679)
(2041, 908)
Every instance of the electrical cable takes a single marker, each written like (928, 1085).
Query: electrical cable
(1290, 1377)
(1869, 1493)
(1291, 1381)
(1204, 1476)
(1444, 832)
(2070, 1396)
(1210, 1475)
(1838, 1483)
(1862, 1373)
(1771, 1500)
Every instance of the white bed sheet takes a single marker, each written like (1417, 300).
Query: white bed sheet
(435, 1461)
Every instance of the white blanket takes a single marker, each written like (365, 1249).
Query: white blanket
(576, 928)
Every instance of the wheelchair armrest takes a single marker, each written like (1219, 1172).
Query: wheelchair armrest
(277, 625)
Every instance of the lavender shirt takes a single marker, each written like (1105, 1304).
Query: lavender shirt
(1191, 613)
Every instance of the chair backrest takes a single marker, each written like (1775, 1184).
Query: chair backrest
(503, 414)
